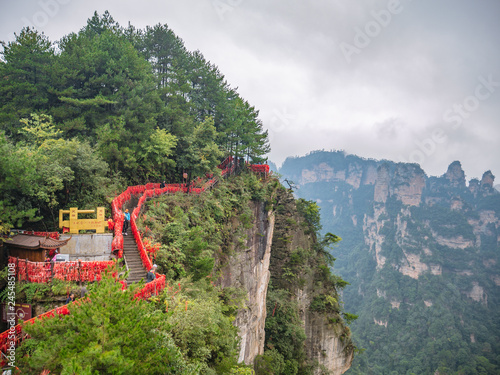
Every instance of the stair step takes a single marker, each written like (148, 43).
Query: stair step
(137, 271)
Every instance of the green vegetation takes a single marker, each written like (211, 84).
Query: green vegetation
(197, 231)
(110, 107)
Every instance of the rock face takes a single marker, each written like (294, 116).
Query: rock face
(354, 171)
(325, 345)
(455, 175)
(487, 179)
(328, 342)
(248, 268)
(408, 184)
(382, 184)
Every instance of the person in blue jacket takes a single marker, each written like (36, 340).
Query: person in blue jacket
(126, 222)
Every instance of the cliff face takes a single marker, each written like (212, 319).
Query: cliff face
(328, 341)
(265, 253)
(447, 215)
(414, 248)
(248, 269)
(326, 345)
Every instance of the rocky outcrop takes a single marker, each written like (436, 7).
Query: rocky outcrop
(328, 342)
(408, 184)
(354, 171)
(474, 186)
(407, 226)
(488, 179)
(477, 293)
(321, 172)
(248, 269)
(455, 175)
(373, 238)
(327, 345)
(457, 242)
(413, 267)
(382, 184)
(405, 182)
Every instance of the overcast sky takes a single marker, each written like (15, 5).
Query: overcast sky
(401, 80)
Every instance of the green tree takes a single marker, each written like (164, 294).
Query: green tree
(107, 333)
(310, 211)
(16, 168)
(64, 171)
(26, 72)
(202, 154)
(204, 334)
(155, 159)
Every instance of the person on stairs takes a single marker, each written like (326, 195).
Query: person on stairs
(126, 221)
(71, 298)
(151, 275)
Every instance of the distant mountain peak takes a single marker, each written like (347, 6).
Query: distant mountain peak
(455, 174)
(487, 179)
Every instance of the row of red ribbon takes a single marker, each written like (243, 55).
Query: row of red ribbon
(44, 272)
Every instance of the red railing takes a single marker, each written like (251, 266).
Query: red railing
(16, 333)
(260, 168)
(152, 288)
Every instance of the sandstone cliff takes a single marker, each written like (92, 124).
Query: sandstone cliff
(298, 267)
(263, 254)
(248, 269)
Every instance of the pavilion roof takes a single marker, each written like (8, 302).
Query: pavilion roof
(35, 242)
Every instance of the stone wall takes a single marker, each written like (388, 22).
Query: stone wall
(88, 247)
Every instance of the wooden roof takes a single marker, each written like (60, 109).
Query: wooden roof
(35, 242)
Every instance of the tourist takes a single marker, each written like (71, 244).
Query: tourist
(151, 275)
(126, 221)
(71, 298)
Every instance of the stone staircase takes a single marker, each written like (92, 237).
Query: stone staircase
(133, 259)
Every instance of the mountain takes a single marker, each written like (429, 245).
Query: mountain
(422, 256)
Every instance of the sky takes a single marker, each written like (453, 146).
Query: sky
(403, 80)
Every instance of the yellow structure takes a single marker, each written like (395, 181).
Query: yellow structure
(75, 225)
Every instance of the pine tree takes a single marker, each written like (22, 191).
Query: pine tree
(25, 78)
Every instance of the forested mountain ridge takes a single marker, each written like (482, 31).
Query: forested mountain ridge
(108, 107)
(422, 254)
